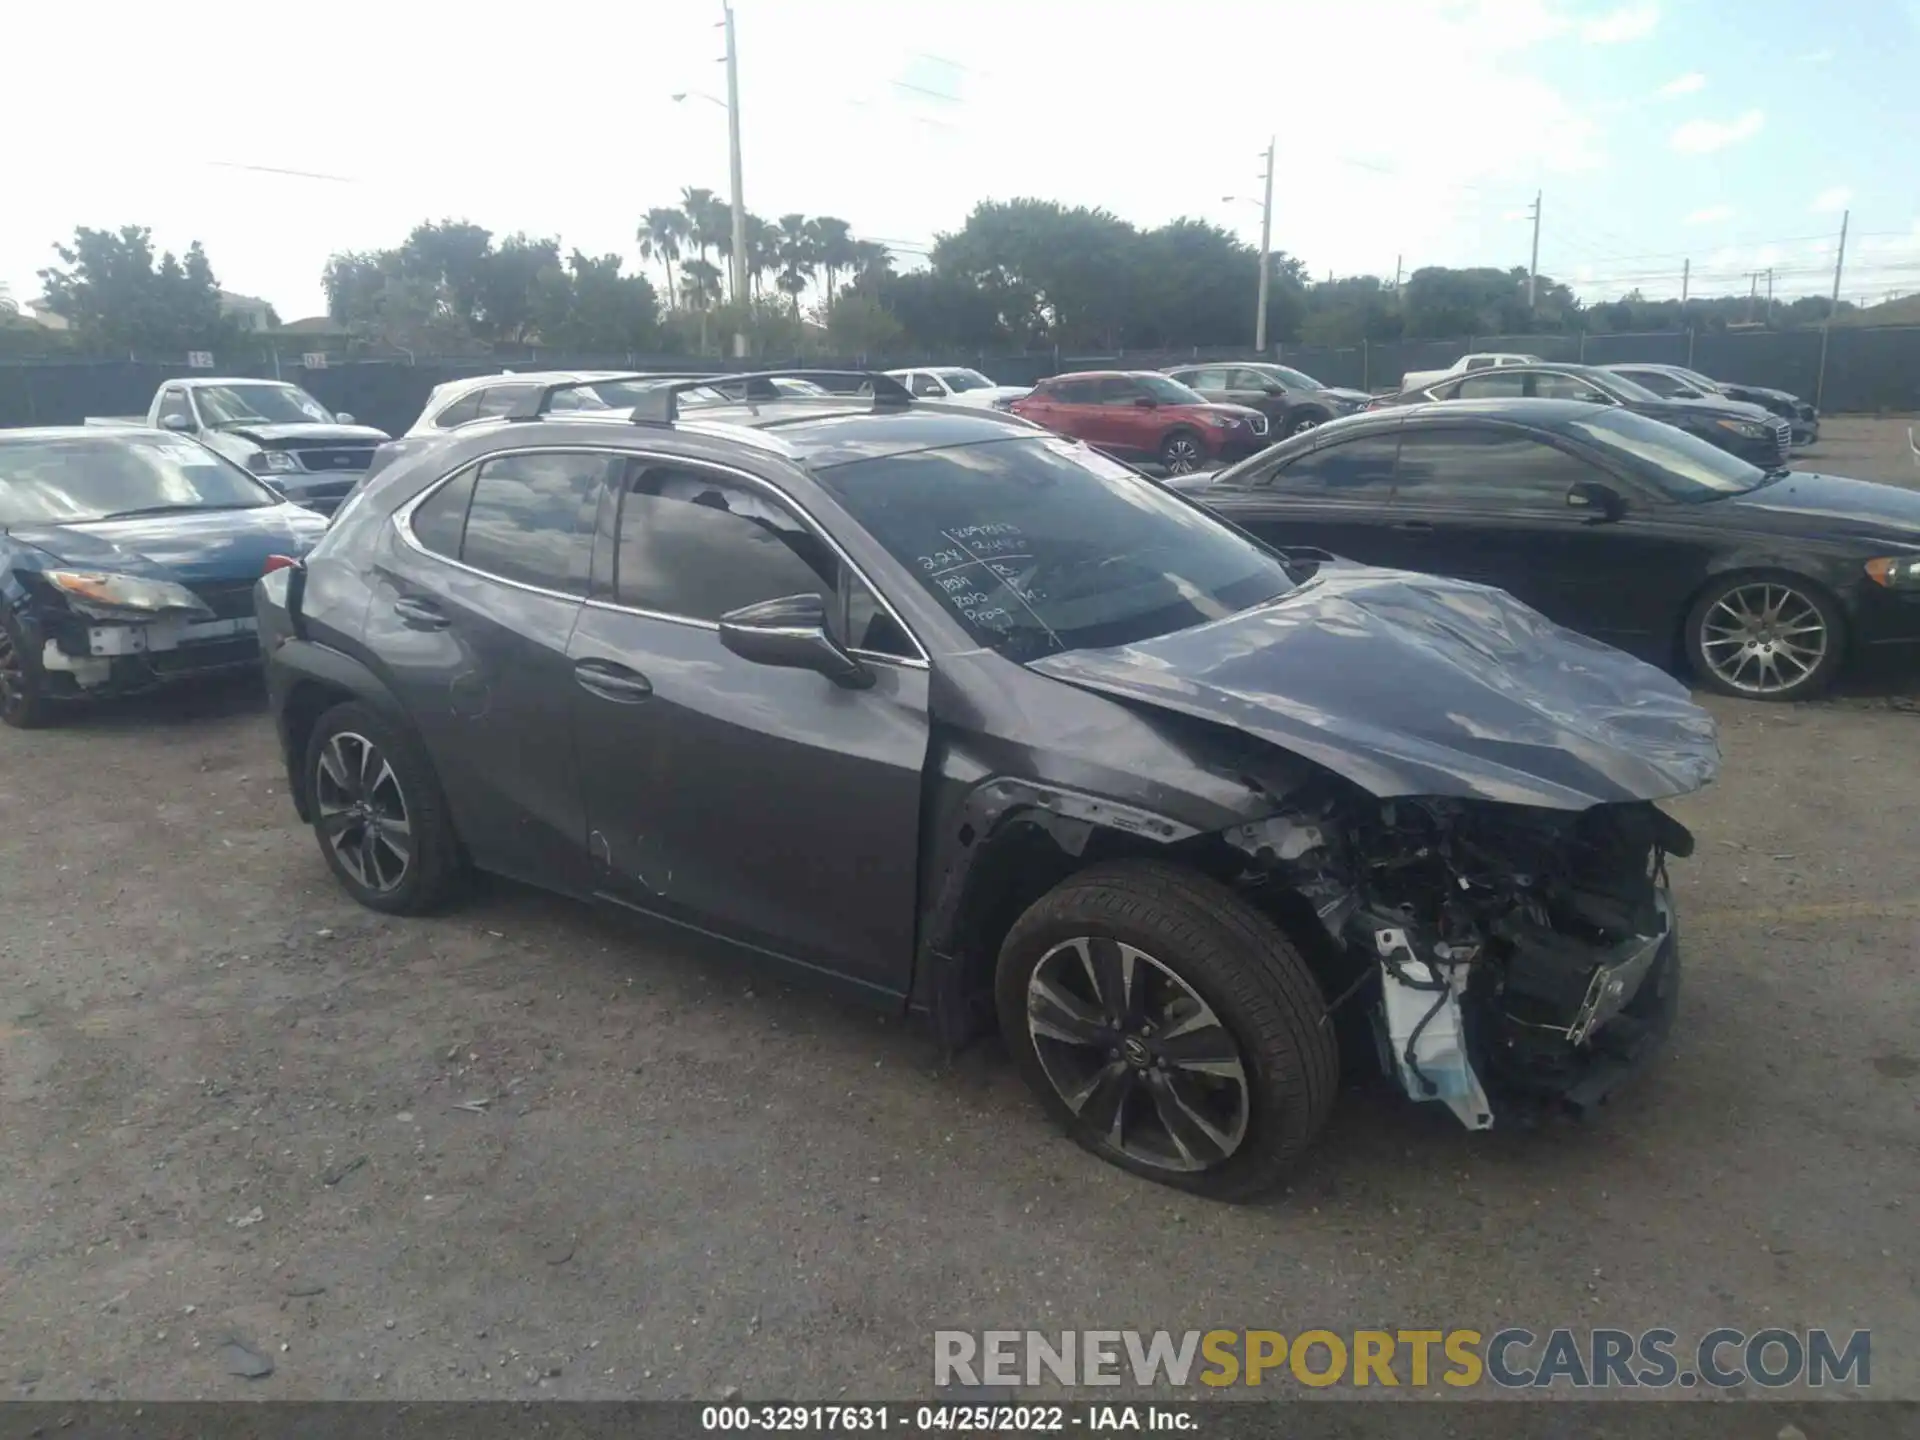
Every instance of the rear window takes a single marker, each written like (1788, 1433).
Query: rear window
(1038, 545)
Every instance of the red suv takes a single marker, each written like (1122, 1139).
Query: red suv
(1139, 415)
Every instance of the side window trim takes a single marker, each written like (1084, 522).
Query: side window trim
(403, 518)
(640, 460)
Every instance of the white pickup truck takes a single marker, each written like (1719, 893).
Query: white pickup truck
(1483, 360)
(276, 430)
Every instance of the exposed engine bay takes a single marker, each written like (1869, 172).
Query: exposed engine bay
(1509, 949)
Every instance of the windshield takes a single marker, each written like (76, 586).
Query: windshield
(57, 479)
(1037, 545)
(1169, 391)
(222, 405)
(960, 381)
(1624, 387)
(1684, 467)
(1697, 380)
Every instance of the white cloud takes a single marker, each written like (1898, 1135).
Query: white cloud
(1831, 200)
(1702, 137)
(1688, 84)
(1711, 215)
(1629, 22)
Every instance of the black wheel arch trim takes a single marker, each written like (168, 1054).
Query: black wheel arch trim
(299, 663)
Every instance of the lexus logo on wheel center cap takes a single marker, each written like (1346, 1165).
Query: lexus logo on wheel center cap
(1136, 1052)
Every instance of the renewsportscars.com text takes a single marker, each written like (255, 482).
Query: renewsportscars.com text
(1513, 1358)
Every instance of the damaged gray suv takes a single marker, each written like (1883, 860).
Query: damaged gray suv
(984, 726)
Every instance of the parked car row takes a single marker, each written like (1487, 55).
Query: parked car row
(1201, 790)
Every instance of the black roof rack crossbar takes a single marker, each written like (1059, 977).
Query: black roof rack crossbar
(661, 406)
(539, 403)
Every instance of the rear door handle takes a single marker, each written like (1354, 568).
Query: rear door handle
(418, 614)
(611, 681)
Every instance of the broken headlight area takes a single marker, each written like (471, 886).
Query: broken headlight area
(1507, 951)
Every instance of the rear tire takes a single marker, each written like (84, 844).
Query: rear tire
(23, 699)
(379, 817)
(1205, 1063)
(1302, 421)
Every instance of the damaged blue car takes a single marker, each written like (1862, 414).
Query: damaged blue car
(127, 561)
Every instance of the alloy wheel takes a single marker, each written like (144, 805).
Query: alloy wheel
(1139, 1058)
(1763, 638)
(1182, 455)
(362, 811)
(1303, 424)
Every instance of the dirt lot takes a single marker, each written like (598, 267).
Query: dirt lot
(231, 1108)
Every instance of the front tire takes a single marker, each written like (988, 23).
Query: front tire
(1182, 453)
(23, 698)
(1302, 421)
(1169, 1027)
(379, 817)
(1766, 636)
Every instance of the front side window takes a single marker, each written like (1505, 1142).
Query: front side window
(961, 381)
(173, 406)
(1038, 544)
(698, 547)
(224, 405)
(526, 518)
(926, 385)
(59, 479)
(1489, 386)
(1487, 469)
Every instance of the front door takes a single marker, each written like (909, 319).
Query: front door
(472, 611)
(769, 806)
(1339, 497)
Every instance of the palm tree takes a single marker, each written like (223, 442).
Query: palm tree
(700, 288)
(762, 250)
(871, 260)
(833, 248)
(796, 257)
(662, 234)
(697, 205)
(720, 222)
(7, 305)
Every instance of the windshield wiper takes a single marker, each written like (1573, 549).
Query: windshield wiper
(175, 509)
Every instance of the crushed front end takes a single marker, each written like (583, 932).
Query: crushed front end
(1511, 955)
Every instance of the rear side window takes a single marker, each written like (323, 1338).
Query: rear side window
(698, 547)
(526, 518)
(1360, 468)
(1074, 392)
(1490, 386)
(466, 408)
(928, 386)
(499, 399)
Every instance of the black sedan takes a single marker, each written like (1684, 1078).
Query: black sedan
(1676, 382)
(127, 560)
(1740, 429)
(1764, 580)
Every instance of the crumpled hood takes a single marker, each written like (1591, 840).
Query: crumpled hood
(1414, 685)
(208, 547)
(298, 435)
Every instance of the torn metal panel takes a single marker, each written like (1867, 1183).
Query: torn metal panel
(1416, 685)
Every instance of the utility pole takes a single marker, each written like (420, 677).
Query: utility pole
(1396, 272)
(1686, 276)
(1266, 262)
(1753, 293)
(739, 201)
(1839, 261)
(1533, 264)
(1769, 295)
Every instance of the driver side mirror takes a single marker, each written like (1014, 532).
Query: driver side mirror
(791, 633)
(345, 417)
(178, 423)
(1601, 502)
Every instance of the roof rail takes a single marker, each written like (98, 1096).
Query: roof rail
(661, 406)
(540, 402)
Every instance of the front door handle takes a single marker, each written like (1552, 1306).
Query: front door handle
(418, 614)
(611, 681)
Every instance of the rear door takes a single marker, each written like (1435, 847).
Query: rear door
(769, 806)
(1068, 406)
(476, 588)
(1118, 424)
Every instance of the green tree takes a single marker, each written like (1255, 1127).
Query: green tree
(833, 248)
(116, 294)
(797, 257)
(860, 325)
(663, 234)
(512, 276)
(597, 310)
(763, 251)
(7, 305)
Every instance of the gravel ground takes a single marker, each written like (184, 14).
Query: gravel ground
(525, 1150)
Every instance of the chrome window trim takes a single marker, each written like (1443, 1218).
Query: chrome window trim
(403, 526)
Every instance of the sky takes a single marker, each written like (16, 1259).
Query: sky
(1409, 132)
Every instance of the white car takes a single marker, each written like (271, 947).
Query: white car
(1481, 360)
(958, 386)
(480, 397)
